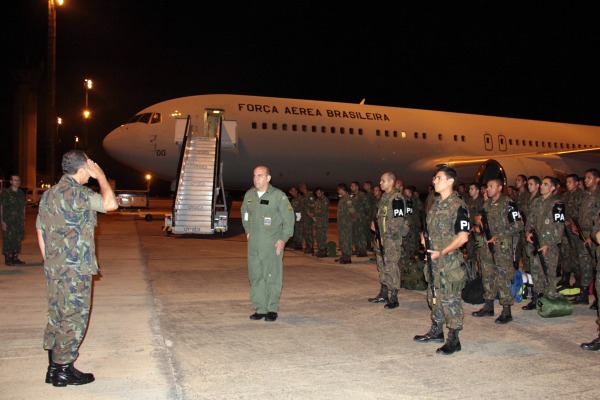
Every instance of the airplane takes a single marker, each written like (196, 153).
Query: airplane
(326, 143)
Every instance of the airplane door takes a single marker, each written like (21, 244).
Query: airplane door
(212, 122)
(488, 142)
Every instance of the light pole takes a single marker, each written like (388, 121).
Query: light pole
(76, 141)
(51, 88)
(58, 124)
(87, 84)
(149, 179)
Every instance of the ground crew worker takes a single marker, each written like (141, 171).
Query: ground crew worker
(12, 217)
(448, 226)
(268, 220)
(497, 271)
(392, 226)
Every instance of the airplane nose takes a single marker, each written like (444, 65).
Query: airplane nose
(114, 143)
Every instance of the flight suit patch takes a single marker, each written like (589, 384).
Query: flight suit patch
(267, 221)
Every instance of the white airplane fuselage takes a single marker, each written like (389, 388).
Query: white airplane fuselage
(325, 143)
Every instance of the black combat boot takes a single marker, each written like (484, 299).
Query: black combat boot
(594, 345)
(382, 297)
(583, 297)
(15, 258)
(452, 343)
(435, 334)
(309, 249)
(393, 303)
(594, 305)
(8, 260)
(346, 260)
(486, 311)
(532, 305)
(51, 368)
(67, 374)
(505, 316)
(565, 281)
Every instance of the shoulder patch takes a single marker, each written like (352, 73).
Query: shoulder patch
(558, 212)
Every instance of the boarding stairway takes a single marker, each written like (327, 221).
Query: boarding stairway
(199, 207)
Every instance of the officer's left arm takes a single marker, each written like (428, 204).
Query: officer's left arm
(287, 218)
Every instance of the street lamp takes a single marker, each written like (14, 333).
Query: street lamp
(76, 141)
(87, 84)
(149, 179)
(51, 82)
(58, 124)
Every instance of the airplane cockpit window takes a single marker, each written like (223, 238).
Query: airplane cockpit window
(133, 119)
(156, 118)
(145, 118)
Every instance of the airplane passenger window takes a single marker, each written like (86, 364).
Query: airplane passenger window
(537, 144)
(333, 129)
(403, 135)
(314, 128)
(517, 142)
(378, 132)
(274, 126)
(510, 142)
(342, 131)
(264, 125)
(531, 143)
(360, 131)
(456, 138)
(294, 127)
(462, 138)
(303, 128)
(145, 118)
(351, 131)
(439, 136)
(156, 118)
(284, 127)
(395, 133)
(416, 135)
(254, 125)
(424, 135)
(323, 129)
(387, 133)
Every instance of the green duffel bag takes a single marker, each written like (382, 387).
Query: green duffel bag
(412, 275)
(549, 308)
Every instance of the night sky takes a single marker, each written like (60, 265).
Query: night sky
(487, 58)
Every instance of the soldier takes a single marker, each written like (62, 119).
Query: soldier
(410, 244)
(307, 222)
(359, 199)
(474, 203)
(594, 345)
(65, 231)
(12, 217)
(533, 190)
(546, 217)
(568, 250)
(497, 269)
(296, 240)
(345, 212)
(377, 192)
(372, 207)
(448, 227)
(587, 209)
(268, 220)
(392, 226)
(321, 222)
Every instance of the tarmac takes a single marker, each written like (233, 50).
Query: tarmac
(170, 321)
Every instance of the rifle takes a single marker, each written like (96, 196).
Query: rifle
(536, 251)
(488, 233)
(378, 239)
(428, 247)
(581, 236)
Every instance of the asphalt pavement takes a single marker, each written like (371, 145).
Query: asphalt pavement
(170, 321)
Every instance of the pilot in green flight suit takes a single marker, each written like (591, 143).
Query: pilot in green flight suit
(268, 219)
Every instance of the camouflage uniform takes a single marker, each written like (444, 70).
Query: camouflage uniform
(547, 217)
(13, 214)
(474, 206)
(67, 218)
(372, 213)
(297, 239)
(445, 220)
(266, 219)
(525, 209)
(345, 210)
(568, 244)
(393, 226)
(361, 207)
(587, 209)
(321, 221)
(595, 233)
(307, 222)
(521, 200)
(410, 244)
(505, 224)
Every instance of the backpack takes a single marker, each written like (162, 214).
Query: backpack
(517, 286)
(413, 278)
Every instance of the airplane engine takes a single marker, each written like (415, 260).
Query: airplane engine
(510, 168)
